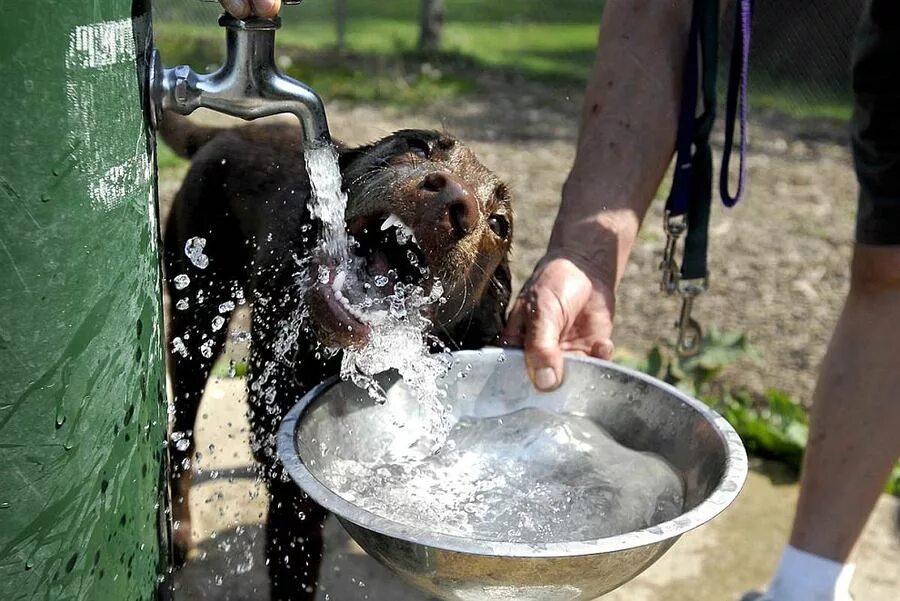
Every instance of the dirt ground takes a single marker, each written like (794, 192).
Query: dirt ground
(778, 272)
(778, 261)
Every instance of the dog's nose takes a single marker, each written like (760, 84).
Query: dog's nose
(461, 206)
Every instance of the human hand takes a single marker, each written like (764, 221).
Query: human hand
(257, 8)
(561, 308)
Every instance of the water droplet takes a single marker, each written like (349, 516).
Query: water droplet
(217, 323)
(193, 249)
(182, 280)
(179, 347)
(226, 307)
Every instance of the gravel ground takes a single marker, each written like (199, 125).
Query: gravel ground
(778, 261)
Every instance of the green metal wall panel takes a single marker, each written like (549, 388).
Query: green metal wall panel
(82, 411)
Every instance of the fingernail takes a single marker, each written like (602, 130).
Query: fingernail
(545, 378)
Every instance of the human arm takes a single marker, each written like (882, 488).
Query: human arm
(245, 8)
(625, 144)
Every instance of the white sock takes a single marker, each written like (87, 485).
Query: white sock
(802, 576)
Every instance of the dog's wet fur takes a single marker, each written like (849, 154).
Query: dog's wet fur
(246, 193)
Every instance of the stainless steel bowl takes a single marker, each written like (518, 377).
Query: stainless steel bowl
(337, 420)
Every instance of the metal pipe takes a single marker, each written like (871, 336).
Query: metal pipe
(248, 85)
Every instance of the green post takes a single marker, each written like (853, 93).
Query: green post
(82, 410)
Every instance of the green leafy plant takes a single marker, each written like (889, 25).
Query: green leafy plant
(776, 428)
(772, 425)
(697, 374)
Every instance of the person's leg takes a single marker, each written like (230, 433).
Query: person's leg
(855, 419)
(853, 440)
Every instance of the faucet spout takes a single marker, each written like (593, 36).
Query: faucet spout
(248, 85)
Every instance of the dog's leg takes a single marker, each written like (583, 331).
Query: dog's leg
(190, 369)
(196, 336)
(294, 522)
(293, 543)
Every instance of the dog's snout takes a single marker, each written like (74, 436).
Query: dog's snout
(460, 205)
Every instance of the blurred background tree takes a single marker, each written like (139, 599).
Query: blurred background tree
(431, 18)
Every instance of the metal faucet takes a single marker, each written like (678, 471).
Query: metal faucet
(248, 85)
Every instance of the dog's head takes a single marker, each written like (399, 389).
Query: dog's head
(421, 209)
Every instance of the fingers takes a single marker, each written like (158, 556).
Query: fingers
(535, 330)
(543, 356)
(245, 8)
(560, 309)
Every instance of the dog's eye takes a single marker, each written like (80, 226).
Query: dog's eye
(419, 148)
(499, 224)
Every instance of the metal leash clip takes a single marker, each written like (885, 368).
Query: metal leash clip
(674, 226)
(690, 334)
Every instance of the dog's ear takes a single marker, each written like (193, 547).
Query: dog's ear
(489, 317)
(347, 156)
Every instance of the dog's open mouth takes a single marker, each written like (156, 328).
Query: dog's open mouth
(386, 260)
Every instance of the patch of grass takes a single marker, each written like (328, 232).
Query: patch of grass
(794, 106)
(225, 368)
(525, 37)
(771, 424)
(167, 160)
(396, 78)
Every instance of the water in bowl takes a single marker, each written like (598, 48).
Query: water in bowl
(530, 476)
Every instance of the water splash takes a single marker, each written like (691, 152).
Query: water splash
(193, 249)
(396, 319)
(397, 341)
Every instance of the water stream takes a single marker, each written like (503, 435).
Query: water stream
(328, 201)
(398, 327)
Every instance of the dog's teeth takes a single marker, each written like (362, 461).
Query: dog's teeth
(405, 234)
(338, 283)
(391, 221)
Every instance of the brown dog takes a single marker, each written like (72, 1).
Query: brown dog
(246, 194)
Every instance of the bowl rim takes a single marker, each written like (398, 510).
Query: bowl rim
(729, 486)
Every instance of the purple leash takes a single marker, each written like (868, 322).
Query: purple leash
(737, 103)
